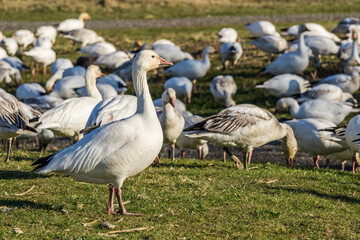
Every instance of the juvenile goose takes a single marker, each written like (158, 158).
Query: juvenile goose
(72, 24)
(83, 36)
(230, 51)
(182, 86)
(131, 145)
(223, 88)
(227, 35)
(327, 91)
(172, 122)
(291, 62)
(244, 126)
(69, 118)
(285, 85)
(334, 112)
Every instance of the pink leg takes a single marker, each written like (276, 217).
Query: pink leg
(199, 153)
(183, 154)
(122, 210)
(316, 161)
(224, 159)
(194, 87)
(110, 207)
(157, 161)
(250, 155)
(353, 164)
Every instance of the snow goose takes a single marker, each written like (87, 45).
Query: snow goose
(345, 24)
(244, 126)
(172, 122)
(24, 37)
(69, 118)
(163, 42)
(72, 24)
(285, 85)
(66, 87)
(124, 71)
(13, 119)
(172, 53)
(230, 51)
(261, 28)
(9, 73)
(43, 42)
(117, 83)
(10, 45)
(223, 88)
(314, 30)
(113, 60)
(182, 86)
(192, 69)
(352, 135)
(327, 91)
(227, 35)
(61, 64)
(41, 55)
(48, 32)
(98, 49)
(3, 53)
(271, 44)
(179, 105)
(131, 145)
(345, 50)
(106, 90)
(291, 62)
(184, 142)
(110, 110)
(347, 82)
(334, 112)
(43, 103)
(29, 90)
(15, 62)
(308, 139)
(354, 54)
(84, 36)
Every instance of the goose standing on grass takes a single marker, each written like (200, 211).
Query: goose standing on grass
(48, 32)
(182, 86)
(192, 69)
(172, 123)
(184, 142)
(244, 126)
(261, 28)
(223, 88)
(271, 44)
(41, 55)
(72, 24)
(352, 138)
(334, 112)
(13, 119)
(285, 85)
(131, 145)
(69, 118)
(230, 51)
(291, 62)
(84, 36)
(227, 35)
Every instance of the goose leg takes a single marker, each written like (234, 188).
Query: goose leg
(199, 153)
(343, 165)
(10, 141)
(353, 164)
(110, 207)
(327, 163)
(316, 161)
(194, 86)
(44, 69)
(245, 159)
(122, 210)
(173, 152)
(249, 157)
(182, 154)
(224, 159)
(157, 161)
(234, 158)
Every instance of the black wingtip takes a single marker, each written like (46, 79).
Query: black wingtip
(42, 162)
(35, 119)
(31, 129)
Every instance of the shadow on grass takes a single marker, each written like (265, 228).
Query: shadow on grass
(20, 175)
(24, 203)
(341, 198)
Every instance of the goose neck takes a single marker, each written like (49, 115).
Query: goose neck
(90, 82)
(301, 44)
(354, 49)
(144, 101)
(294, 107)
(205, 57)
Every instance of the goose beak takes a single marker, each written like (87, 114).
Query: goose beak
(102, 74)
(164, 63)
(289, 162)
(172, 102)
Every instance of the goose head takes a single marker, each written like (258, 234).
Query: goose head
(148, 60)
(289, 145)
(354, 36)
(209, 49)
(303, 28)
(84, 16)
(169, 96)
(94, 71)
(284, 104)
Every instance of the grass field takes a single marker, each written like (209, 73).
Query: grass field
(190, 199)
(30, 10)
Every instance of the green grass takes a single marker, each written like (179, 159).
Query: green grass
(190, 200)
(30, 10)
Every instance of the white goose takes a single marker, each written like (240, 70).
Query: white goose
(354, 54)
(41, 55)
(3, 53)
(48, 32)
(69, 118)
(72, 24)
(172, 122)
(98, 49)
(261, 28)
(227, 35)
(43, 42)
(352, 135)
(66, 87)
(10, 45)
(124, 71)
(244, 126)
(83, 35)
(131, 145)
(230, 51)
(308, 139)
(223, 88)
(327, 91)
(182, 86)
(172, 53)
(334, 112)
(314, 30)
(113, 60)
(271, 44)
(285, 85)
(184, 142)
(29, 90)
(291, 62)
(24, 37)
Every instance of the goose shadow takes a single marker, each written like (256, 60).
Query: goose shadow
(341, 198)
(24, 203)
(20, 175)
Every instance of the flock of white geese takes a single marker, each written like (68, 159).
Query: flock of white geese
(117, 136)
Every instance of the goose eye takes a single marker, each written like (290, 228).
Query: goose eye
(153, 56)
